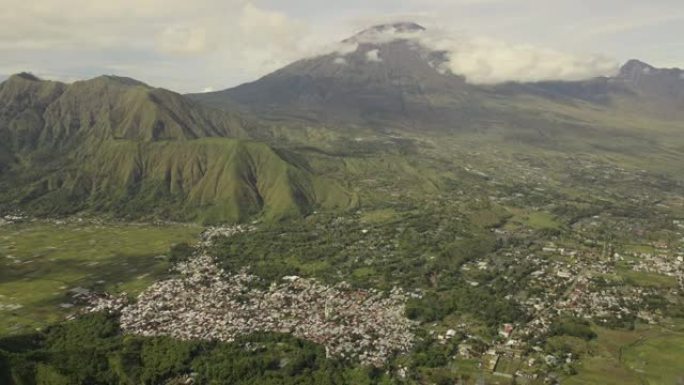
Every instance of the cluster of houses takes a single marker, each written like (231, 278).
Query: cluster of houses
(573, 290)
(565, 281)
(206, 303)
(660, 263)
(210, 234)
(10, 219)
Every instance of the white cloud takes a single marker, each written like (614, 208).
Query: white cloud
(373, 56)
(185, 45)
(172, 43)
(340, 61)
(341, 48)
(486, 61)
(183, 40)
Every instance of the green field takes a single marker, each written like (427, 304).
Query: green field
(531, 219)
(649, 355)
(658, 360)
(646, 279)
(41, 262)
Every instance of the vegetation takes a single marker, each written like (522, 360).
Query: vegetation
(573, 327)
(91, 350)
(532, 208)
(40, 263)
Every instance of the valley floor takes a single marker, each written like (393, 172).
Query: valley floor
(568, 307)
(44, 263)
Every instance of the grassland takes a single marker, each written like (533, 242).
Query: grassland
(648, 355)
(531, 219)
(658, 360)
(40, 263)
(644, 279)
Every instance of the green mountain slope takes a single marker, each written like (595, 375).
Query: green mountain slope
(382, 121)
(23, 101)
(36, 114)
(118, 146)
(208, 180)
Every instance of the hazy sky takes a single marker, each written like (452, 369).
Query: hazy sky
(195, 45)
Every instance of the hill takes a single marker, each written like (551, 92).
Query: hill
(39, 113)
(116, 145)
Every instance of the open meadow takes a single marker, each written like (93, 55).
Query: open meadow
(43, 264)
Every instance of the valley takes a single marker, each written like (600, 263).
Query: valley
(359, 217)
(509, 277)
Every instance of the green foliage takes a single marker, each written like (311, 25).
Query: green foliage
(180, 252)
(57, 257)
(163, 357)
(574, 327)
(5, 368)
(433, 355)
(91, 350)
(490, 307)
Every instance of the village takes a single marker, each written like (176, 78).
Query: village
(206, 303)
(574, 278)
(569, 282)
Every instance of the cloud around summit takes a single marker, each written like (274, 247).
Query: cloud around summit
(484, 60)
(190, 46)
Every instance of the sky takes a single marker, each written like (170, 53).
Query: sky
(203, 45)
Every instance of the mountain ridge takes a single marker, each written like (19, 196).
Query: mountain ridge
(116, 145)
(306, 135)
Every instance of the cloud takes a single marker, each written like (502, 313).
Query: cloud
(485, 60)
(173, 43)
(340, 61)
(186, 45)
(183, 40)
(340, 48)
(373, 56)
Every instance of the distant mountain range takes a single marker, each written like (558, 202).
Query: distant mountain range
(397, 80)
(293, 141)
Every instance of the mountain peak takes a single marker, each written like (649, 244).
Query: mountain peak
(637, 71)
(635, 65)
(385, 30)
(24, 76)
(403, 26)
(122, 80)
